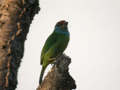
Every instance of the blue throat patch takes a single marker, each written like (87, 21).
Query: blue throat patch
(57, 30)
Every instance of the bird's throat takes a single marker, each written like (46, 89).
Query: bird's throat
(61, 31)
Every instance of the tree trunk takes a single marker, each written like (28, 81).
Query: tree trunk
(59, 78)
(15, 19)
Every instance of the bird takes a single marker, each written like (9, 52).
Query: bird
(54, 46)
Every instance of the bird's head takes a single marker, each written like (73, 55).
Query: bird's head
(62, 25)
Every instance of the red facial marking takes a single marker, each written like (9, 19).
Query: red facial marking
(61, 22)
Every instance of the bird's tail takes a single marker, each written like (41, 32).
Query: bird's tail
(41, 74)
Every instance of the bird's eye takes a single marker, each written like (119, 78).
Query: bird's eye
(60, 23)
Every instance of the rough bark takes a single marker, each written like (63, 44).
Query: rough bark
(59, 78)
(15, 19)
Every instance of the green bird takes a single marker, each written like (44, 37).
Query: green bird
(55, 45)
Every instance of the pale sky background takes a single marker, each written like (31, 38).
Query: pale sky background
(94, 46)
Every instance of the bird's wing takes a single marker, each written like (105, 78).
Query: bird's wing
(48, 44)
(57, 47)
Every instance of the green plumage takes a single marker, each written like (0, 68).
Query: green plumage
(54, 45)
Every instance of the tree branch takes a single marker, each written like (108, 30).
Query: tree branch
(59, 78)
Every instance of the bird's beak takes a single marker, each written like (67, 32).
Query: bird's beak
(66, 23)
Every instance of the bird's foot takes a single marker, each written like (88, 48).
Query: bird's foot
(53, 63)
